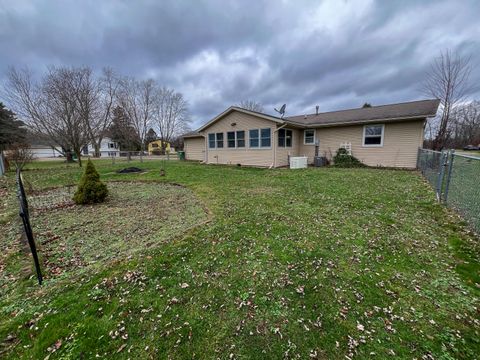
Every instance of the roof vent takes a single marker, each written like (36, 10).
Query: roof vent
(316, 107)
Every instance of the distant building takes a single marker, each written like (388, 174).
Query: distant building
(41, 147)
(108, 148)
(155, 147)
(44, 151)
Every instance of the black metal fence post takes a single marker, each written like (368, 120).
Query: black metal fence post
(25, 216)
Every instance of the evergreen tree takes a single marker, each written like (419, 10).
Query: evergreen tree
(123, 132)
(90, 189)
(11, 129)
(151, 136)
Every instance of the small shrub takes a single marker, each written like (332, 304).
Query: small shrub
(90, 189)
(345, 160)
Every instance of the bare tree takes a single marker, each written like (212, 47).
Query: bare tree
(447, 81)
(251, 105)
(465, 126)
(51, 106)
(19, 154)
(87, 101)
(136, 98)
(96, 98)
(171, 115)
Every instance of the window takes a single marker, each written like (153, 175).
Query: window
(373, 135)
(260, 137)
(254, 138)
(240, 139)
(154, 145)
(219, 140)
(211, 141)
(265, 140)
(309, 137)
(111, 145)
(284, 138)
(231, 139)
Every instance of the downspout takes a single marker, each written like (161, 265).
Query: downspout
(205, 160)
(274, 164)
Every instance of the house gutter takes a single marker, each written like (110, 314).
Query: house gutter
(274, 164)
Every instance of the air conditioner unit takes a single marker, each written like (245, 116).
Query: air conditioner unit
(298, 162)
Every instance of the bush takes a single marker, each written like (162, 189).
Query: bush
(345, 160)
(90, 189)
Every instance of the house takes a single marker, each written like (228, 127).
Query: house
(108, 148)
(155, 147)
(44, 151)
(385, 135)
(42, 147)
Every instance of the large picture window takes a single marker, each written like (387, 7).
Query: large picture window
(373, 135)
(309, 137)
(284, 138)
(254, 138)
(219, 140)
(211, 141)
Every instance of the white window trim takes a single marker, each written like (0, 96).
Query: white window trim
(236, 147)
(259, 147)
(244, 140)
(314, 136)
(223, 141)
(278, 141)
(234, 140)
(214, 141)
(381, 137)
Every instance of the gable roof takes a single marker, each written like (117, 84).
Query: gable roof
(242, 110)
(391, 112)
(385, 113)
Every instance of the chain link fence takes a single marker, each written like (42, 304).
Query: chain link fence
(127, 156)
(456, 180)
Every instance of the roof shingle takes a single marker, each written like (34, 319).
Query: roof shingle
(414, 109)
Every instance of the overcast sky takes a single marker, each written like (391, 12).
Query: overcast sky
(335, 54)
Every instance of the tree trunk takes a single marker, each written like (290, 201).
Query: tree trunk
(96, 150)
(68, 156)
(79, 156)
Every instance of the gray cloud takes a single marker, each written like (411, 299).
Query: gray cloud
(335, 54)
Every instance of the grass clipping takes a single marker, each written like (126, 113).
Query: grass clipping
(90, 189)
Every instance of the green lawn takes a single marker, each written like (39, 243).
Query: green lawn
(315, 263)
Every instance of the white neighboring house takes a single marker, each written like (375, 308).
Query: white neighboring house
(108, 148)
(44, 151)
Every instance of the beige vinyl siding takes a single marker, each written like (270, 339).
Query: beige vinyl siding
(245, 156)
(195, 148)
(283, 153)
(400, 144)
